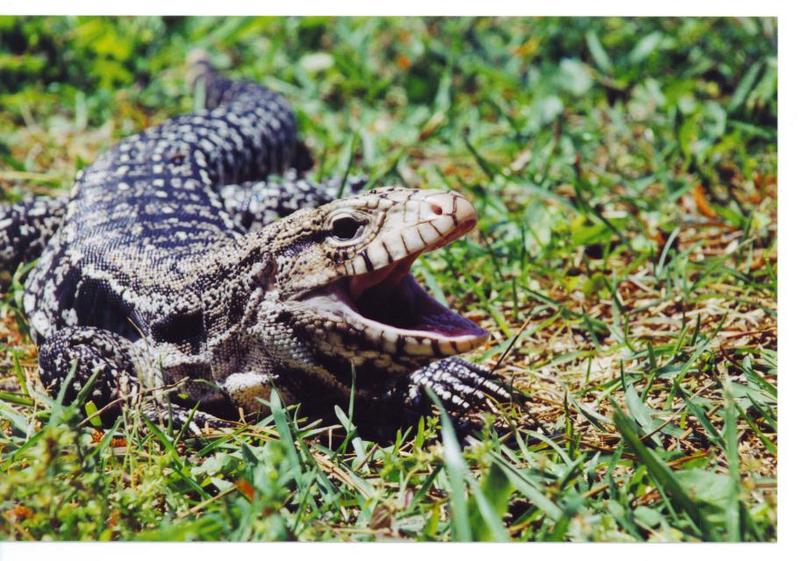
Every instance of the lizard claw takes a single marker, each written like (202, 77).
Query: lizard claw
(460, 386)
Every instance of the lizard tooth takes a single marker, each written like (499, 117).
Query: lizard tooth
(447, 348)
(377, 256)
(389, 341)
(394, 246)
(443, 224)
(373, 334)
(418, 347)
(465, 345)
(413, 241)
(359, 265)
(427, 233)
(390, 347)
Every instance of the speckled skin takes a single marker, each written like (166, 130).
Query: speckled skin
(25, 229)
(173, 265)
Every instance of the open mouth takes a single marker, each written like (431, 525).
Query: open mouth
(396, 313)
(391, 297)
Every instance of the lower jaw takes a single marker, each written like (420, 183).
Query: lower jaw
(417, 342)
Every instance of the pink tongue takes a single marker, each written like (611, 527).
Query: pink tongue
(388, 277)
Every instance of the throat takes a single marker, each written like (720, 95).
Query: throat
(403, 304)
(397, 305)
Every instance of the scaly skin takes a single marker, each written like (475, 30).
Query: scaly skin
(173, 265)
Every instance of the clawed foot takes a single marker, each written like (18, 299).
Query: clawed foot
(461, 386)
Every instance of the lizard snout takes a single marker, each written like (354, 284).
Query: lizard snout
(416, 222)
(444, 217)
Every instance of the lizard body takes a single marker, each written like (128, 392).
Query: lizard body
(172, 264)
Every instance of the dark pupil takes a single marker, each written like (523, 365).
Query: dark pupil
(346, 228)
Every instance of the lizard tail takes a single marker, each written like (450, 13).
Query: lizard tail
(216, 90)
(199, 71)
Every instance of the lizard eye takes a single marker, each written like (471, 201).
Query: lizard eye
(346, 228)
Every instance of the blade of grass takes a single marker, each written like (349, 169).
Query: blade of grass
(662, 474)
(456, 472)
(730, 433)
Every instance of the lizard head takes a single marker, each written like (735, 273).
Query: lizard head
(346, 279)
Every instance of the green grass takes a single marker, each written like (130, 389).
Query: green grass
(624, 262)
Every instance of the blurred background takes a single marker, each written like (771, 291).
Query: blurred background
(703, 88)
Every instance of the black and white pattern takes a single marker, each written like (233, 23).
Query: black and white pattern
(196, 256)
(25, 228)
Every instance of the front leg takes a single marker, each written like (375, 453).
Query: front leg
(106, 358)
(461, 386)
(90, 351)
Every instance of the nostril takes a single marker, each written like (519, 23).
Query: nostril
(436, 209)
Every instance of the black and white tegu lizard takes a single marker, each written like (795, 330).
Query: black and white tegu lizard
(170, 265)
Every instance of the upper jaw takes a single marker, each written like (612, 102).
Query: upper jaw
(414, 223)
